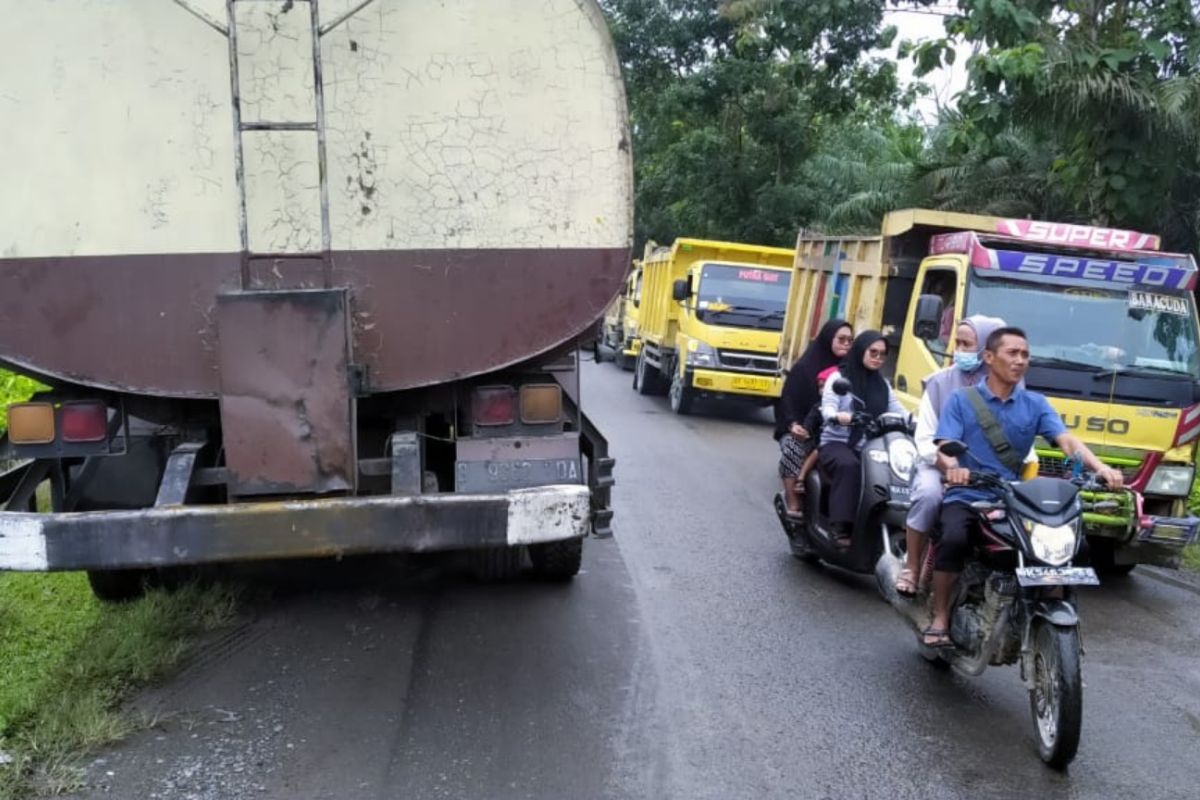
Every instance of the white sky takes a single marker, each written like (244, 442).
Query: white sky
(945, 82)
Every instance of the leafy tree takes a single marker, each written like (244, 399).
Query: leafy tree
(729, 100)
(1111, 90)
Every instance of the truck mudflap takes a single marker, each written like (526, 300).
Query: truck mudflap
(182, 535)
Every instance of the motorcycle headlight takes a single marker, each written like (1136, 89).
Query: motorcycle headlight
(700, 354)
(1053, 545)
(902, 455)
(1173, 480)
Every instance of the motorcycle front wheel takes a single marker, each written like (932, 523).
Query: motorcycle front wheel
(1056, 695)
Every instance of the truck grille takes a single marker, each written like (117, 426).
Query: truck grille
(743, 361)
(1053, 466)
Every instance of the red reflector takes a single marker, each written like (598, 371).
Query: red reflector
(84, 422)
(494, 405)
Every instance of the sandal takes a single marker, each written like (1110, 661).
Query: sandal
(906, 583)
(937, 638)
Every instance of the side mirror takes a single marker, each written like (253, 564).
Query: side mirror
(841, 387)
(679, 290)
(927, 322)
(952, 448)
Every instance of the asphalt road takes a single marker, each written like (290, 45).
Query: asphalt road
(692, 658)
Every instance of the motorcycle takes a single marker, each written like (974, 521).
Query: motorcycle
(1015, 600)
(888, 458)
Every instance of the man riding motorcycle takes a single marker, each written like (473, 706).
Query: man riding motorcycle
(998, 421)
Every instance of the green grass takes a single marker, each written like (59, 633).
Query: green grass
(67, 660)
(1191, 556)
(14, 389)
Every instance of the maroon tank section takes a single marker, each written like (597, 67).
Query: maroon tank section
(147, 324)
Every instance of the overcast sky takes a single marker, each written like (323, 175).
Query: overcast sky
(944, 82)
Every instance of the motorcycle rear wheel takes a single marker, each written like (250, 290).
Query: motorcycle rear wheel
(1056, 696)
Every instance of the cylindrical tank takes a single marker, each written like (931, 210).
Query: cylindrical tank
(463, 168)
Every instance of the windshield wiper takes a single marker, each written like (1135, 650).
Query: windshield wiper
(1051, 361)
(1126, 369)
(743, 310)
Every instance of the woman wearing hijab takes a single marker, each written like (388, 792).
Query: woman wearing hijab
(800, 394)
(967, 370)
(840, 443)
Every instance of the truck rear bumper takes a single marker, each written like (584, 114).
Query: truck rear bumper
(180, 535)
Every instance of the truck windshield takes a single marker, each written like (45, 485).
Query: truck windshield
(1095, 326)
(742, 296)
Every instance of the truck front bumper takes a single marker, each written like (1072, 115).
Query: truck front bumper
(735, 383)
(180, 535)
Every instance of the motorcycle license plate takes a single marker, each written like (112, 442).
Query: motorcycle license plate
(1057, 576)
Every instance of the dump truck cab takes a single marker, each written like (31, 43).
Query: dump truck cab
(711, 315)
(1113, 335)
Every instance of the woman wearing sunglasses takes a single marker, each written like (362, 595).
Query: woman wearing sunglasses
(840, 443)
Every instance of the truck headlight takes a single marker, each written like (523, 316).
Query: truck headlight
(902, 455)
(1053, 545)
(1173, 481)
(700, 354)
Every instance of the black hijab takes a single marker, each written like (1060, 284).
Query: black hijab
(799, 392)
(867, 384)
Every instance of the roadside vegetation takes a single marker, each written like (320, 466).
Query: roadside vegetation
(67, 660)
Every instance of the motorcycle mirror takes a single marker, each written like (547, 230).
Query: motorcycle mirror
(841, 387)
(952, 448)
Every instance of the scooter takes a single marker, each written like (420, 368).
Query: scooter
(888, 457)
(1015, 600)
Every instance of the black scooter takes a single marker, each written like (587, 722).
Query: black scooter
(889, 457)
(1015, 599)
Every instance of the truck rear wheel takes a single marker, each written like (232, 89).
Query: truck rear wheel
(495, 564)
(682, 397)
(118, 585)
(557, 561)
(646, 378)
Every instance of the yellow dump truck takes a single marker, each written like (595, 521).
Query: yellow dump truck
(710, 314)
(1113, 334)
(619, 335)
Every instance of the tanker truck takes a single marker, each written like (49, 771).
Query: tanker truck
(305, 278)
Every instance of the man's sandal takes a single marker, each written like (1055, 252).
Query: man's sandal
(906, 583)
(937, 638)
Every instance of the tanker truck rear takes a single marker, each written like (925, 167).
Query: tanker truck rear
(305, 279)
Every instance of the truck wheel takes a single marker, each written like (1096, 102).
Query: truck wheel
(1103, 553)
(681, 396)
(495, 564)
(118, 585)
(557, 561)
(641, 376)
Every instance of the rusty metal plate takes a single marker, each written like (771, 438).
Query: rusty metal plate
(287, 415)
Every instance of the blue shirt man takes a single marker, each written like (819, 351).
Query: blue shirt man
(1023, 416)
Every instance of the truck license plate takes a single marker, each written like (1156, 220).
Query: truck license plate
(1057, 576)
(752, 384)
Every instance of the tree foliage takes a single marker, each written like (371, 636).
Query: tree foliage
(730, 100)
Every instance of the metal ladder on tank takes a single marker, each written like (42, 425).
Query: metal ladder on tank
(316, 126)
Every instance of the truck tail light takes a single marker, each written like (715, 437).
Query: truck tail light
(494, 405)
(31, 423)
(541, 403)
(84, 422)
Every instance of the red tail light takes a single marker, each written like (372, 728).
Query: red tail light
(84, 422)
(494, 405)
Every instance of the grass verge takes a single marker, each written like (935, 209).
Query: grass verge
(67, 660)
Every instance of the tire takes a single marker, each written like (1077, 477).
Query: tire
(646, 380)
(1103, 557)
(1056, 699)
(557, 561)
(682, 397)
(118, 585)
(496, 564)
